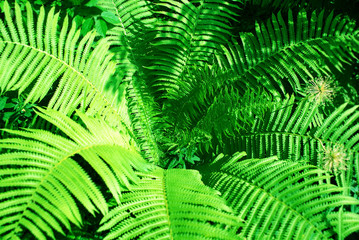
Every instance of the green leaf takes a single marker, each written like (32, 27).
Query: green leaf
(194, 159)
(27, 114)
(87, 26)
(7, 115)
(3, 102)
(110, 18)
(101, 27)
(78, 20)
(92, 3)
(10, 105)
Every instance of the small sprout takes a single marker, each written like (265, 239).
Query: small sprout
(320, 90)
(334, 158)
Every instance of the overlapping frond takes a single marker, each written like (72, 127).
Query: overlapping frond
(129, 14)
(199, 88)
(132, 19)
(166, 77)
(280, 199)
(39, 56)
(129, 40)
(231, 113)
(42, 179)
(207, 106)
(188, 35)
(284, 53)
(171, 204)
(287, 124)
(292, 132)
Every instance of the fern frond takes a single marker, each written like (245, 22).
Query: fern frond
(41, 180)
(349, 221)
(289, 132)
(287, 125)
(283, 53)
(205, 106)
(53, 60)
(129, 43)
(231, 113)
(199, 87)
(145, 119)
(279, 199)
(171, 204)
(134, 19)
(129, 14)
(188, 35)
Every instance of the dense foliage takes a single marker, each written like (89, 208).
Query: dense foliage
(179, 119)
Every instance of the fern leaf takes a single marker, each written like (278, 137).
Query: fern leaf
(279, 199)
(349, 221)
(289, 133)
(206, 107)
(171, 204)
(41, 180)
(41, 62)
(281, 50)
(189, 34)
(133, 20)
(129, 43)
(145, 119)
